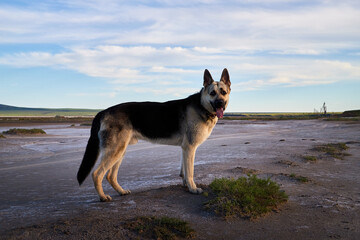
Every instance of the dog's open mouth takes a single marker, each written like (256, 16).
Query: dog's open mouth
(220, 112)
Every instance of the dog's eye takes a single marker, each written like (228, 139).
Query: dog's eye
(213, 93)
(222, 92)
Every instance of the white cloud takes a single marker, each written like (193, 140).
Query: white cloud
(171, 43)
(161, 69)
(298, 52)
(173, 91)
(298, 73)
(208, 50)
(310, 28)
(146, 64)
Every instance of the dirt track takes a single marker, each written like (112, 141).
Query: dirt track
(40, 198)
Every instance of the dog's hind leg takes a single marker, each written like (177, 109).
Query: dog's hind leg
(188, 157)
(112, 177)
(112, 149)
(99, 173)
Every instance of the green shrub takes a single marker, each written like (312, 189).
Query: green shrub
(17, 131)
(310, 158)
(2, 136)
(245, 197)
(160, 228)
(299, 178)
(333, 149)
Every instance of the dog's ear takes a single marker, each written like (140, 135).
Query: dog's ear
(225, 78)
(207, 78)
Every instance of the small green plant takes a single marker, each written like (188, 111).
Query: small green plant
(299, 178)
(160, 228)
(310, 158)
(245, 197)
(288, 163)
(17, 131)
(2, 136)
(333, 149)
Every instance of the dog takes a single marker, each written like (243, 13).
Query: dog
(186, 123)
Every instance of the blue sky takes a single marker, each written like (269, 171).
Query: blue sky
(282, 55)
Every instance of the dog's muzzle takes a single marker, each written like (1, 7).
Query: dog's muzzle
(219, 107)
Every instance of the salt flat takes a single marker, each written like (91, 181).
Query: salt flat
(38, 178)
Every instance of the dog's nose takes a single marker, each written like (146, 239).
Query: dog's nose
(219, 103)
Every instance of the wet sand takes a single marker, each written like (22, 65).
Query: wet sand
(40, 198)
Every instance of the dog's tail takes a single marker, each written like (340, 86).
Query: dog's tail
(91, 152)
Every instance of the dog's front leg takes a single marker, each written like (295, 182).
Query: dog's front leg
(188, 157)
(182, 172)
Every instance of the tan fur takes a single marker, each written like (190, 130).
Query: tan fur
(201, 132)
(216, 86)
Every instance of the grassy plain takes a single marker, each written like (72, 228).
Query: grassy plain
(280, 116)
(10, 113)
(49, 113)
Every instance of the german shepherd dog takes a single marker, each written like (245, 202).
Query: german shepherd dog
(186, 122)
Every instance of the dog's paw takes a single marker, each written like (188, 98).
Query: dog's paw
(106, 198)
(196, 190)
(125, 192)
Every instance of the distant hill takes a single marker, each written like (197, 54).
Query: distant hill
(6, 110)
(351, 113)
(12, 108)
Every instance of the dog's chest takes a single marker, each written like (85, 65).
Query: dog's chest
(198, 131)
(205, 130)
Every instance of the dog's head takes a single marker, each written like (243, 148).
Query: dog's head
(215, 95)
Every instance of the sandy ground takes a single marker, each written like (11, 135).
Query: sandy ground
(40, 198)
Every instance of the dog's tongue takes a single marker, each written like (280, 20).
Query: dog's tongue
(220, 112)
